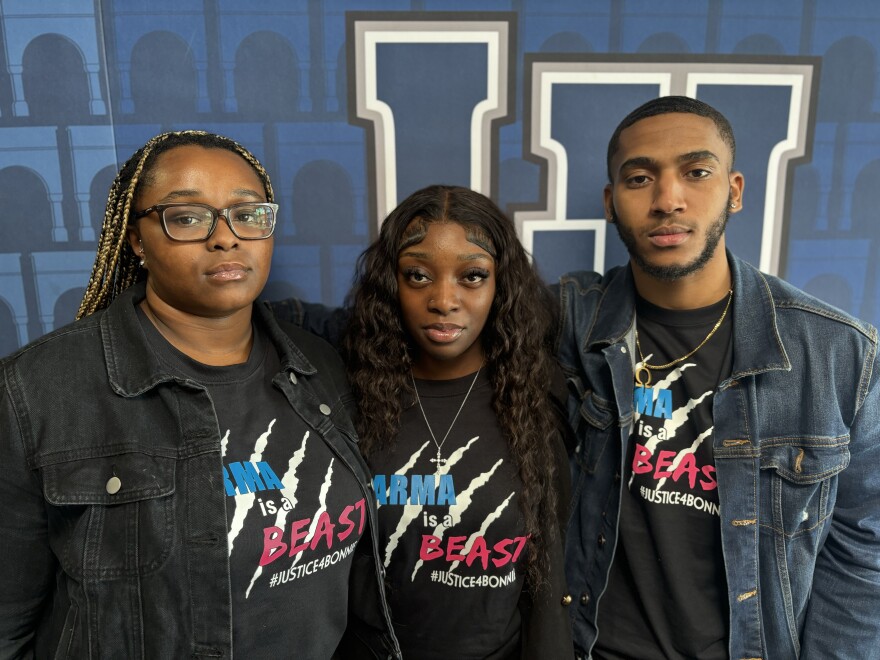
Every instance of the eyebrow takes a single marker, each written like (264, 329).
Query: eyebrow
(471, 256)
(647, 162)
(238, 192)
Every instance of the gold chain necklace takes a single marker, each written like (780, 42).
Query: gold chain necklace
(644, 371)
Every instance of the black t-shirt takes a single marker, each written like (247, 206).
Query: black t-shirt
(667, 591)
(452, 540)
(294, 512)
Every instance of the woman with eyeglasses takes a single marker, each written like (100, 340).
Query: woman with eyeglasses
(180, 477)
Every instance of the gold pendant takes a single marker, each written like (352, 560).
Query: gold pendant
(647, 381)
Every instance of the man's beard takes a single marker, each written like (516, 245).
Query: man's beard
(675, 271)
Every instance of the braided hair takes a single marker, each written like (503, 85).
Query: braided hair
(116, 265)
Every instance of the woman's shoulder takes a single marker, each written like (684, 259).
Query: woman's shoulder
(74, 344)
(317, 352)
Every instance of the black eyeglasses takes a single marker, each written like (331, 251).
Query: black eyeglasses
(249, 221)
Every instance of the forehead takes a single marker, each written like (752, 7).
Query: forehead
(193, 156)
(442, 236)
(669, 136)
(191, 163)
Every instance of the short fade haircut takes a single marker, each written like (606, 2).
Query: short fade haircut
(666, 105)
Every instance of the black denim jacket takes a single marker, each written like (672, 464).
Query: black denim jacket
(113, 526)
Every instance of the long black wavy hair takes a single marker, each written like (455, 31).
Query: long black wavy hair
(516, 341)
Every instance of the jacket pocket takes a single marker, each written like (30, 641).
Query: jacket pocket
(592, 423)
(799, 474)
(111, 516)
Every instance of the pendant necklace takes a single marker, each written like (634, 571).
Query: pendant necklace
(643, 373)
(439, 461)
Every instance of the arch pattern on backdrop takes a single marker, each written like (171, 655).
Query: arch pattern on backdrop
(352, 110)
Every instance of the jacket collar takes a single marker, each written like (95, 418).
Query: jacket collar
(757, 344)
(616, 312)
(132, 366)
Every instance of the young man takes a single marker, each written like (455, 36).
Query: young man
(727, 473)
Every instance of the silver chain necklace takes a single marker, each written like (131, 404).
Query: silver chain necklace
(439, 462)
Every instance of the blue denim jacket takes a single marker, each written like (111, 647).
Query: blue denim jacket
(797, 452)
(142, 571)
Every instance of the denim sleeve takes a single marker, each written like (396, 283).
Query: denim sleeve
(843, 618)
(28, 565)
(327, 322)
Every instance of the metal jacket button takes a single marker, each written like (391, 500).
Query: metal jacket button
(601, 540)
(324, 408)
(566, 600)
(113, 485)
(292, 378)
(585, 598)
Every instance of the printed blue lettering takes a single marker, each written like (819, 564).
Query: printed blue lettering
(247, 479)
(421, 489)
(663, 405)
(398, 489)
(645, 404)
(447, 490)
(270, 479)
(227, 483)
(380, 489)
(643, 400)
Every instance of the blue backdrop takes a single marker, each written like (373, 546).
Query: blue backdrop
(353, 105)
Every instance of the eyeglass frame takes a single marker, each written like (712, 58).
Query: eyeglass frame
(218, 213)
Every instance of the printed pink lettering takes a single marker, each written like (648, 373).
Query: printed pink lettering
(274, 547)
(501, 554)
(709, 473)
(664, 460)
(521, 543)
(346, 522)
(325, 530)
(299, 531)
(688, 464)
(642, 460)
(480, 551)
(359, 505)
(453, 548)
(430, 547)
(501, 548)
(642, 465)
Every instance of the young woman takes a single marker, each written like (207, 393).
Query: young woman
(180, 475)
(447, 355)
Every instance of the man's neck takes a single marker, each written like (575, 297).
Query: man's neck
(701, 289)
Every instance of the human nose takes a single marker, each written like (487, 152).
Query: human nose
(668, 195)
(222, 238)
(444, 298)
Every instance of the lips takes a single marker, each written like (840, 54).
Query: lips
(443, 333)
(228, 272)
(669, 235)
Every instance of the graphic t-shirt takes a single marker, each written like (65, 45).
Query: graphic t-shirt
(294, 512)
(667, 592)
(452, 537)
